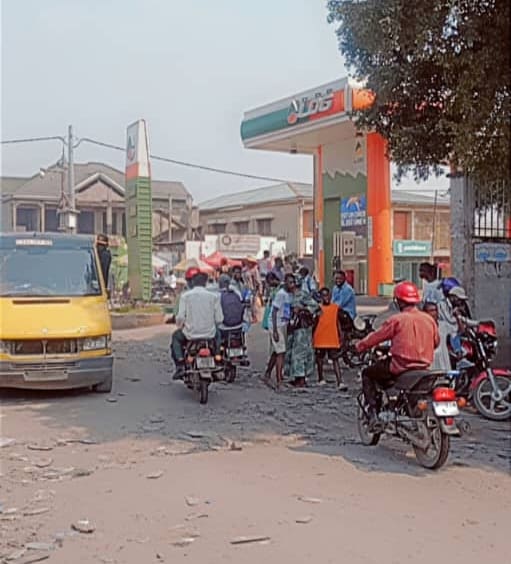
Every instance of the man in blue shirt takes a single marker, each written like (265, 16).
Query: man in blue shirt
(343, 294)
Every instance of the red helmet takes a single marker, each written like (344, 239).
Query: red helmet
(191, 272)
(407, 292)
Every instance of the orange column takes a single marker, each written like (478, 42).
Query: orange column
(319, 262)
(380, 267)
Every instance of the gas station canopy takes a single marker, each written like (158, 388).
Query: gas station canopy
(352, 214)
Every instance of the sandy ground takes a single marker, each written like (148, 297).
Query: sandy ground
(162, 479)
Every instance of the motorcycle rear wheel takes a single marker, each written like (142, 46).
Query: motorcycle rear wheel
(204, 390)
(435, 456)
(230, 373)
(489, 408)
(367, 437)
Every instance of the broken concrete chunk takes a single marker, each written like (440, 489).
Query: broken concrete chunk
(16, 554)
(39, 546)
(83, 526)
(185, 541)
(5, 442)
(248, 540)
(37, 511)
(39, 447)
(310, 499)
(43, 463)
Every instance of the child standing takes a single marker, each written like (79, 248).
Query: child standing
(327, 338)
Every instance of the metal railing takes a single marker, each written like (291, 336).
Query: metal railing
(492, 216)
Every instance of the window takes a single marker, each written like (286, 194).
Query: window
(424, 225)
(114, 223)
(27, 219)
(123, 224)
(86, 222)
(264, 226)
(217, 229)
(443, 231)
(241, 227)
(51, 220)
(402, 225)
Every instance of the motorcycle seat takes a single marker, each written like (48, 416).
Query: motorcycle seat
(233, 328)
(410, 379)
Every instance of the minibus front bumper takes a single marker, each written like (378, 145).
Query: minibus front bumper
(56, 375)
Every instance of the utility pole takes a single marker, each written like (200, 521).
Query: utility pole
(433, 234)
(71, 214)
(170, 220)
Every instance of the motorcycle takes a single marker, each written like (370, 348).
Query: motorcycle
(489, 388)
(234, 350)
(200, 368)
(419, 407)
(354, 330)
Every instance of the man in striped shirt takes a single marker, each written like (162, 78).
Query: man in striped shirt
(414, 338)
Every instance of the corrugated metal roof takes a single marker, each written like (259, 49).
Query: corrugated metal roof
(9, 184)
(405, 197)
(298, 191)
(48, 187)
(275, 193)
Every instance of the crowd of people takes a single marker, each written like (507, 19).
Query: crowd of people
(304, 322)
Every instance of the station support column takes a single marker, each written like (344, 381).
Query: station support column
(318, 198)
(379, 209)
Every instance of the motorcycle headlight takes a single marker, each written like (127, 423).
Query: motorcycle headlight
(96, 343)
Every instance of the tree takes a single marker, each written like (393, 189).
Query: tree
(441, 73)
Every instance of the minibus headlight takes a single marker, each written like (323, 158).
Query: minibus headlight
(5, 347)
(95, 343)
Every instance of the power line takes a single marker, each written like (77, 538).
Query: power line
(34, 139)
(179, 162)
(190, 165)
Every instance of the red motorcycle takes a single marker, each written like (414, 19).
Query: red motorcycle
(489, 388)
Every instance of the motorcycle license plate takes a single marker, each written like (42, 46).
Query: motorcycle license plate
(232, 353)
(446, 408)
(205, 362)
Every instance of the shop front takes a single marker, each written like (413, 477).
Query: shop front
(352, 208)
(407, 257)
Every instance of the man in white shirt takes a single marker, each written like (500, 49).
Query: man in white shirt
(199, 314)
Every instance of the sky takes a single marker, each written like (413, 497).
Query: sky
(190, 68)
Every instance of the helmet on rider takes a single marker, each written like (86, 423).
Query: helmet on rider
(191, 272)
(447, 284)
(406, 293)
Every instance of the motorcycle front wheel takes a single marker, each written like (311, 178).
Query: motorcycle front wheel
(487, 406)
(367, 437)
(435, 455)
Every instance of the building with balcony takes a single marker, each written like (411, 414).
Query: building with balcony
(31, 203)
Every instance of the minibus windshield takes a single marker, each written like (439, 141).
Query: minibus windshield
(48, 271)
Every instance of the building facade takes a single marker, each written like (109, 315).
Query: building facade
(284, 211)
(420, 227)
(32, 203)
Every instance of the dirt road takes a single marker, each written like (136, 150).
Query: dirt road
(162, 479)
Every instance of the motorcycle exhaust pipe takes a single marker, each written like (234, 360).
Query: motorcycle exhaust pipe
(422, 443)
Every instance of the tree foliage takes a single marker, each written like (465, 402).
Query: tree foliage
(442, 77)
